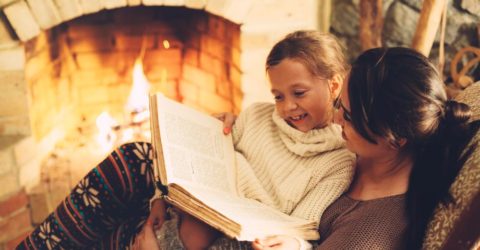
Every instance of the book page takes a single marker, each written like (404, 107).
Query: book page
(239, 208)
(194, 147)
(255, 219)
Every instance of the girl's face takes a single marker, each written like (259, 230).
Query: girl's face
(302, 100)
(355, 142)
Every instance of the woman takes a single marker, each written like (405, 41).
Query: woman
(408, 139)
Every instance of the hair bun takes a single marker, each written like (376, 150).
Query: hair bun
(457, 113)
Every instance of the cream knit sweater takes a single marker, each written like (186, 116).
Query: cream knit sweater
(297, 173)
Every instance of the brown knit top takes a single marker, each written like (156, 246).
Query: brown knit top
(373, 224)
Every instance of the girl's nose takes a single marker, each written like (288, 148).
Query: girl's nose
(290, 105)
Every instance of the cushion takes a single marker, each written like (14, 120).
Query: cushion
(447, 218)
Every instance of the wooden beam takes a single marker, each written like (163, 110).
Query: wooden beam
(371, 23)
(427, 25)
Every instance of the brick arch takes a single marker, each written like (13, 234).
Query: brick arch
(29, 17)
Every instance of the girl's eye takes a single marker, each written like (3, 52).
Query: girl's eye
(299, 93)
(277, 98)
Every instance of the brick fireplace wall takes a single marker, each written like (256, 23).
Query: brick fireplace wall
(84, 67)
(37, 30)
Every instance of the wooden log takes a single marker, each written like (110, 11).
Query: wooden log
(427, 25)
(371, 23)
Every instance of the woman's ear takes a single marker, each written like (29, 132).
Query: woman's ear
(335, 85)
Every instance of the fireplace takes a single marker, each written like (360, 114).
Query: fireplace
(90, 77)
(83, 67)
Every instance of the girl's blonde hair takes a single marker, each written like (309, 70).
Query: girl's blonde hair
(321, 53)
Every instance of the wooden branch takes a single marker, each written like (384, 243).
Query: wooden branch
(324, 15)
(427, 25)
(441, 53)
(371, 22)
(459, 78)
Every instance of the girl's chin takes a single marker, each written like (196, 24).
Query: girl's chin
(302, 128)
(299, 127)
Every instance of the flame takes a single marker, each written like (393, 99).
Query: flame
(106, 136)
(138, 99)
(110, 132)
(166, 44)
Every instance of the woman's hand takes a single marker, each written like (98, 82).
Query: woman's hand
(146, 239)
(228, 121)
(276, 242)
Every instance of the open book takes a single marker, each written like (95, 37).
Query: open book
(195, 163)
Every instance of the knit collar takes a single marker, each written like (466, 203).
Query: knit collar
(313, 142)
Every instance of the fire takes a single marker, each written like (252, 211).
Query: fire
(138, 99)
(166, 44)
(136, 127)
(106, 136)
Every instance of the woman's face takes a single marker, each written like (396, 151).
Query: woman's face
(302, 100)
(355, 142)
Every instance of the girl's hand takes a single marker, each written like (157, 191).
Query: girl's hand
(276, 242)
(146, 239)
(228, 121)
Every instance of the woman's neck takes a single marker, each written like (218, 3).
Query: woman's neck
(380, 178)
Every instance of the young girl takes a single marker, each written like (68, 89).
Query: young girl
(290, 155)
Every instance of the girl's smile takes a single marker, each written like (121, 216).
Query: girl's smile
(298, 118)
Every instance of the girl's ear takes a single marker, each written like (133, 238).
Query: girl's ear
(335, 85)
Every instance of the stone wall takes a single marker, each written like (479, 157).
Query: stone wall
(400, 20)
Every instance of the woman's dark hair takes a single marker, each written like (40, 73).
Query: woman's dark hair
(396, 93)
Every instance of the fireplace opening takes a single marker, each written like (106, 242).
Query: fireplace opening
(90, 78)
